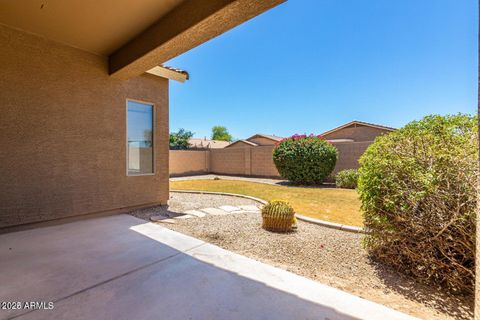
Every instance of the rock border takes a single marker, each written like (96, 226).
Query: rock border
(323, 223)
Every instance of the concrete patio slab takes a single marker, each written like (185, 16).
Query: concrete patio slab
(123, 268)
(50, 263)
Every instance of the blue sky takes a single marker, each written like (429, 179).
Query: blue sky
(307, 66)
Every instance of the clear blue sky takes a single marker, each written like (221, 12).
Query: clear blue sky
(307, 66)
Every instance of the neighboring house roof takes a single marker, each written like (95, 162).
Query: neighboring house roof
(170, 73)
(250, 143)
(356, 122)
(271, 137)
(199, 143)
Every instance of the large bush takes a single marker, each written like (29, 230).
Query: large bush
(305, 159)
(347, 179)
(418, 191)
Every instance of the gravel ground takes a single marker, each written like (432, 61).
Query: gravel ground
(329, 256)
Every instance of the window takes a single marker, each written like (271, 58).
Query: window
(139, 138)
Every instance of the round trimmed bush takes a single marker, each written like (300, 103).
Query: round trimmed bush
(418, 191)
(305, 160)
(347, 179)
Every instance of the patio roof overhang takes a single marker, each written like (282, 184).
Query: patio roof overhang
(136, 36)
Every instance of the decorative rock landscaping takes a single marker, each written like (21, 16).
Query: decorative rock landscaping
(330, 256)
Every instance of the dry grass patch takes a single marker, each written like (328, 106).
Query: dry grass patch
(335, 205)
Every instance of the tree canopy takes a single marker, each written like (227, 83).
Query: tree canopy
(179, 139)
(221, 133)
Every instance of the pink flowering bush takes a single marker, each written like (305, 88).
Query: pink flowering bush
(305, 160)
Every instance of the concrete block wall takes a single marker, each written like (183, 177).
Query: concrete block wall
(185, 162)
(255, 161)
(229, 161)
(262, 162)
(348, 155)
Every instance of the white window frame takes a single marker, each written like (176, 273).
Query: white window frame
(154, 130)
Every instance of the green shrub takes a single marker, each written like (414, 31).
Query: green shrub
(306, 160)
(418, 191)
(347, 179)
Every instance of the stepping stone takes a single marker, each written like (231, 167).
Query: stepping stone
(250, 207)
(230, 208)
(161, 219)
(214, 211)
(183, 217)
(196, 213)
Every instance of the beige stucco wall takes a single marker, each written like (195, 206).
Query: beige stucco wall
(357, 133)
(63, 133)
(184, 162)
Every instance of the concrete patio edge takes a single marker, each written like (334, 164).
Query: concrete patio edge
(301, 217)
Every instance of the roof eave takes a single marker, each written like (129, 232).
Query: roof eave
(170, 73)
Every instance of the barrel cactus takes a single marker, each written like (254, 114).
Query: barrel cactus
(278, 216)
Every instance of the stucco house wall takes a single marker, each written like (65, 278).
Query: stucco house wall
(63, 133)
(356, 132)
(261, 141)
(239, 144)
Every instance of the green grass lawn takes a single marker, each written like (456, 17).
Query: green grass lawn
(335, 205)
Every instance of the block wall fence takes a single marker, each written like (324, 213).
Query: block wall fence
(249, 161)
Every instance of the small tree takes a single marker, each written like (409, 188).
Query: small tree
(306, 160)
(221, 133)
(179, 139)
